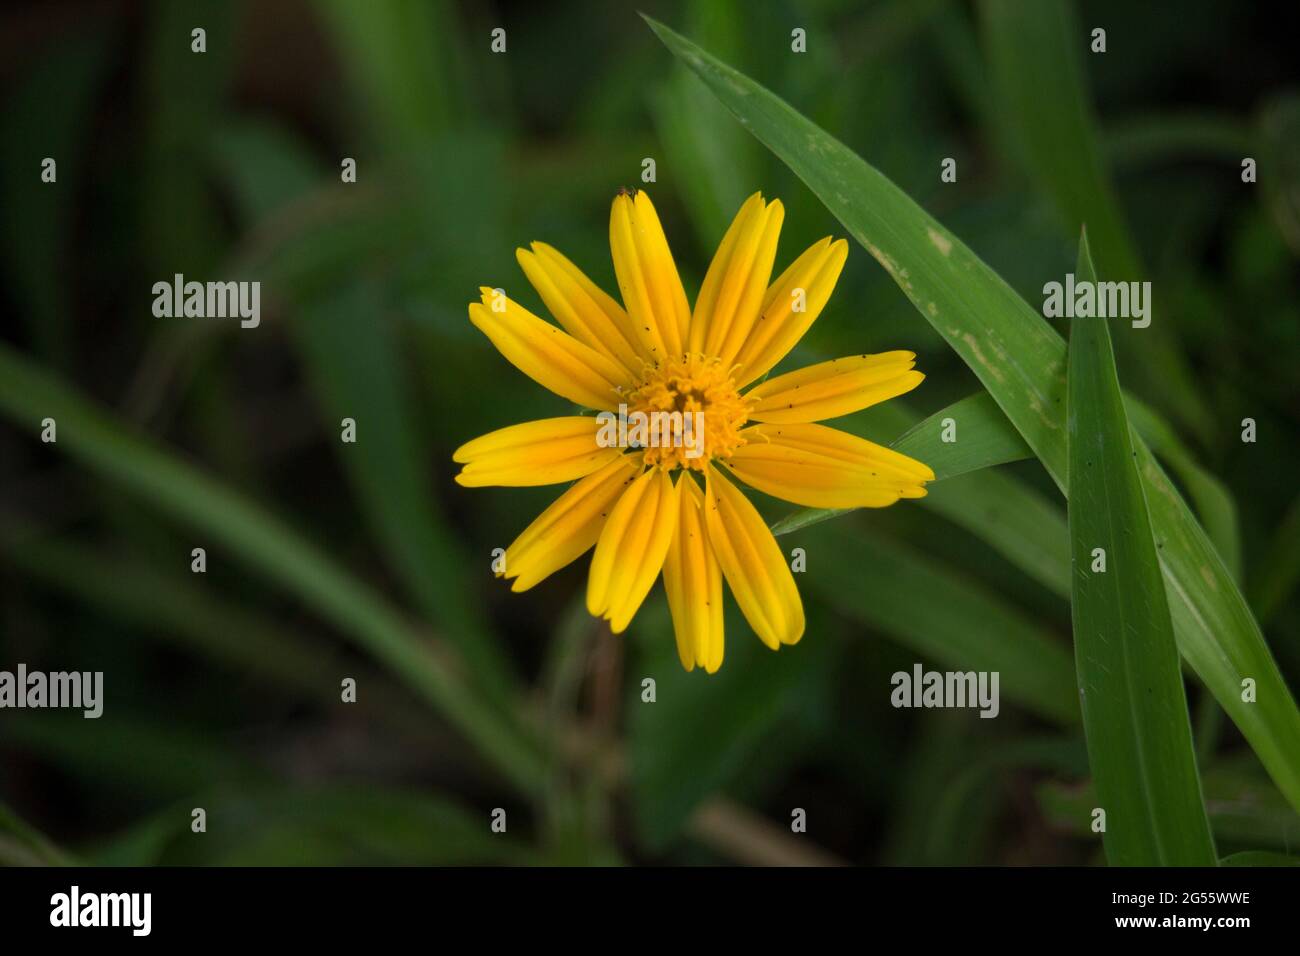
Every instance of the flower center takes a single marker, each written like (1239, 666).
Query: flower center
(687, 386)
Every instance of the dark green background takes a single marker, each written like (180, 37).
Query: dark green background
(222, 689)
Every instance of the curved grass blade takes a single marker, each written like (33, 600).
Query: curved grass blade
(27, 395)
(169, 608)
(1130, 685)
(1164, 138)
(1020, 359)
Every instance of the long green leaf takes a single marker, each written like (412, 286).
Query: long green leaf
(1130, 685)
(1020, 359)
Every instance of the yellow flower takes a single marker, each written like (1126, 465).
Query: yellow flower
(656, 354)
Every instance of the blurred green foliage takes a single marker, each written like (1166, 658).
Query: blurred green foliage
(328, 561)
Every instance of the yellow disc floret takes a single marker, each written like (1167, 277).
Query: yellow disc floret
(689, 385)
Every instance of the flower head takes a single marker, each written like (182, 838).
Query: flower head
(663, 499)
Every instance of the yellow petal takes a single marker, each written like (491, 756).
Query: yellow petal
(632, 548)
(550, 356)
(647, 276)
(580, 306)
(535, 453)
(736, 283)
(823, 467)
(569, 527)
(834, 388)
(753, 564)
(693, 581)
(792, 303)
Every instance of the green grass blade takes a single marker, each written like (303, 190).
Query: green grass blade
(1051, 118)
(52, 105)
(1244, 814)
(350, 825)
(181, 227)
(131, 753)
(891, 587)
(266, 543)
(169, 607)
(1130, 683)
(403, 57)
(1163, 138)
(1014, 519)
(1035, 55)
(353, 356)
(967, 770)
(968, 435)
(1020, 359)
(1214, 505)
(715, 161)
